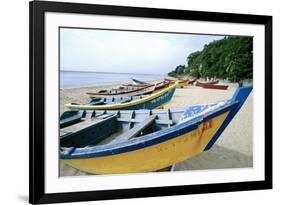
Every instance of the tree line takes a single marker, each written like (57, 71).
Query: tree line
(230, 58)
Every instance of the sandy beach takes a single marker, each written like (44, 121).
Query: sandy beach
(232, 150)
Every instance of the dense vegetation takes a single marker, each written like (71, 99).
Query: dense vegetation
(229, 58)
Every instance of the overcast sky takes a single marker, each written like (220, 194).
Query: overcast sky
(127, 52)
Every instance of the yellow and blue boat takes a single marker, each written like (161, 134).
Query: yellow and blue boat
(152, 101)
(182, 83)
(126, 141)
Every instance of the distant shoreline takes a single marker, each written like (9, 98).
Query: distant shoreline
(97, 86)
(113, 72)
(102, 86)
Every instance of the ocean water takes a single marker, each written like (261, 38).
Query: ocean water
(76, 79)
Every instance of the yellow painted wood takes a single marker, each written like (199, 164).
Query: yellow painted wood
(154, 157)
(123, 105)
(182, 84)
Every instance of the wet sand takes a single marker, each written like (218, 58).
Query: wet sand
(234, 148)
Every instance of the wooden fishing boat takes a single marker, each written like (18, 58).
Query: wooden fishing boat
(200, 84)
(172, 80)
(215, 86)
(143, 140)
(123, 91)
(139, 81)
(159, 85)
(190, 82)
(136, 83)
(155, 100)
(182, 83)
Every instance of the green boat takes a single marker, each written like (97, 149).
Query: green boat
(153, 101)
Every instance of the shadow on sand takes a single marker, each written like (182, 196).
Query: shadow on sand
(216, 158)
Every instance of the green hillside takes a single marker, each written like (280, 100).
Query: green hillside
(229, 58)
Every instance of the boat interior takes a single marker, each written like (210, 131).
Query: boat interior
(88, 128)
(100, 127)
(115, 100)
(121, 90)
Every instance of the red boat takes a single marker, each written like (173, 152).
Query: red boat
(200, 84)
(215, 86)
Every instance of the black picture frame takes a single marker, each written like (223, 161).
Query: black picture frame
(37, 11)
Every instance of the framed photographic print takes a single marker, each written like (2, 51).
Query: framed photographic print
(140, 102)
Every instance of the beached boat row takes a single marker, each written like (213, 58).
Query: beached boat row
(132, 96)
(122, 131)
(138, 87)
(121, 141)
(129, 89)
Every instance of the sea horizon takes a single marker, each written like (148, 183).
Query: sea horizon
(76, 79)
(85, 71)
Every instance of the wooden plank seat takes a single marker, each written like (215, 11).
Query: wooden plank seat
(97, 102)
(125, 100)
(117, 100)
(133, 132)
(166, 121)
